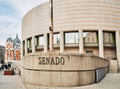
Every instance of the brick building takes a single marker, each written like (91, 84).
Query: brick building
(13, 49)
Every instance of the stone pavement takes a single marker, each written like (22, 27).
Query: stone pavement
(111, 81)
(11, 82)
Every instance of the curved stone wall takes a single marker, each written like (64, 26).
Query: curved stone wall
(73, 15)
(97, 16)
(58, 70)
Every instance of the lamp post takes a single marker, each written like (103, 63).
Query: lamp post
(51, 27)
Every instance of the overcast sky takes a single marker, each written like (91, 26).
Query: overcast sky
(11, 14)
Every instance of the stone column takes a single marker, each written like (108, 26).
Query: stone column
(61, 41)
(45, 43)
(33, 44)
(101, 46)
(25, 46)
(81, 47)
(21, 47)
(118, 47)
(51, 41)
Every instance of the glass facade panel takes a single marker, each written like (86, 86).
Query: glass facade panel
(29, 43)
(109, 37)
(41, 41)
(90, 37)
(57, 38)
(71, 37)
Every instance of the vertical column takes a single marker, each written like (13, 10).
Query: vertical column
(118, 47)
(21, 47)
(101, 46)
(61, 41)
(81, 47)
(51, 42)
(25, 46)
(45, 43)
(33, 44)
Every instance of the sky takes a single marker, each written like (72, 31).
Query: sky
(11, 14)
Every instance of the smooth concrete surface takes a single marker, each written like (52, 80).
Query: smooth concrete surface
(81, 46)
(61, 42)
(76, 16)
(42, 69)
(118, 47)
(111, 81)
(101, 47)
(45, 43)
(113, 68)
(72, 15)
(33, 44)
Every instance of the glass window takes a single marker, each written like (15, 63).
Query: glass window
(39, 41)
(29, 43)
(57, 38)
(90, 37)
(109, 37)
(71, 37)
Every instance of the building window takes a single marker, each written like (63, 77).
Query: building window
(23, 48)
(56, 38)
(39, 42)
(109, 37)
(89, 52)
(29, 45)
(71, 37)
(90, 37)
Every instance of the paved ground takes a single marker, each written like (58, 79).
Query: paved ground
(111, 81)
(11, 82)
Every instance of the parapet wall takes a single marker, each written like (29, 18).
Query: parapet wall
(57, 70)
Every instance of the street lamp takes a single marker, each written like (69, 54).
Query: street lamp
(51, 27)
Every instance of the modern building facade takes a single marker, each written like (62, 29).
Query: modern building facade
(79, 26)
(13, 52)
(2, 54)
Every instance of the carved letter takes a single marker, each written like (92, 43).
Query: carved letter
(62, 60)
(52, 61)
(47, 60)
(43, 60)
(39, 60)
(57, 60)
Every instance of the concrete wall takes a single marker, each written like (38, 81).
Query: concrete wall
(71, 15)
(76, 15)
(78, 68)
(95, 50)
(110, 53)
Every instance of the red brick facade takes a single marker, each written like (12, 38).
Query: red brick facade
(13, 49)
